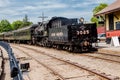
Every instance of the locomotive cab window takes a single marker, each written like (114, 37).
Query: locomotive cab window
(56, 24)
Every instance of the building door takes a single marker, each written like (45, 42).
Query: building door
(111, 21)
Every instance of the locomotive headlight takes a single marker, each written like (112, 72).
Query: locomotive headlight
(81, 20)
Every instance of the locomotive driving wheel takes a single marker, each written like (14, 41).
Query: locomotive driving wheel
(71, 48)
(33, 40)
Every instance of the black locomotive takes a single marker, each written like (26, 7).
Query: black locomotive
(64, 33)
(60, 33)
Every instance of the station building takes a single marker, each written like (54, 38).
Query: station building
(111, 17)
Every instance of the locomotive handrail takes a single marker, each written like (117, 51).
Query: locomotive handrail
(15, 70)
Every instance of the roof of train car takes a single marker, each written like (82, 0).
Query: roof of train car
(56, 18)
(10, 32)
(25, 28)
(1, 33)
(63, 18)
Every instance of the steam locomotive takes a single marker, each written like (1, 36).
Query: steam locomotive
(58, 32)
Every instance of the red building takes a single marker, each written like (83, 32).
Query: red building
(100, 29)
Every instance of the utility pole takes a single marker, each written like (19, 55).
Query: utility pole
(43, 17)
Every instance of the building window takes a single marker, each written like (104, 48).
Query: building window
(118, 25)
(111, 21)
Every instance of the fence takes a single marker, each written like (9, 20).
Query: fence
(15, 70)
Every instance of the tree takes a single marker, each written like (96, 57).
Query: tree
(99, 7)
(17, 24)
(5, 26)
(26, 22)
(25, 19)
(94, 19)
(96, 10)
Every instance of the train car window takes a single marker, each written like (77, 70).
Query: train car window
(24, 33)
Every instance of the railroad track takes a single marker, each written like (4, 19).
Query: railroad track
(104, 56)
(103, 76)
(108, 54)
(60, 77)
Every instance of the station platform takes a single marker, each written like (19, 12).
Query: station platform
(107, 48)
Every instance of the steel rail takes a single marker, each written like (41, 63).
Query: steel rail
(101, 58)
(108, 54)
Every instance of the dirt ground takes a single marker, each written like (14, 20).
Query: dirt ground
(39, 72)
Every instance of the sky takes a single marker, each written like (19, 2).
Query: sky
(13, 10)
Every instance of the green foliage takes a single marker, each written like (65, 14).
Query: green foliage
(5, 26)
(17, 24)
(96, 10)
(25, 19)
(26, 22)
(94, 19)
(99, 8)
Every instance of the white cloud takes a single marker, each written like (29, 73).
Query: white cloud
(103, 1)
(76, 13)
(10, 12)
(4, 3)
(16, 9)
(85, 4)
(54, 6)
(71, 14)
(29, 7)
(89, 3)
(45, 5)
